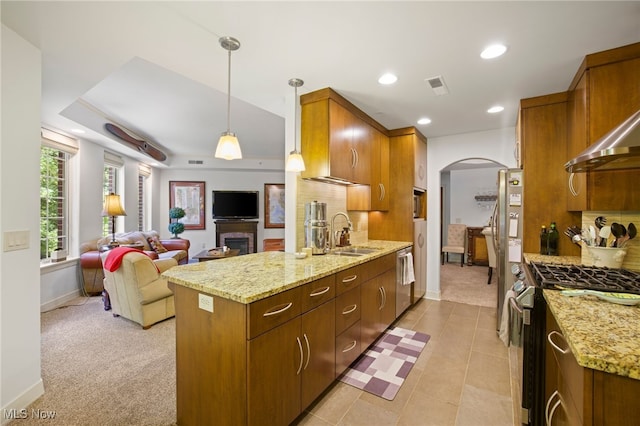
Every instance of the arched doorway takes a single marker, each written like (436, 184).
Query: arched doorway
(467, 188)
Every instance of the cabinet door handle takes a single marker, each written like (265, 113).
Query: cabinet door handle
(572, 187)
(276, 311)
(353, 158)
(556, 347)
(351, 346)
(357, 158)
(306, 340)
(347, 310)
(320, 292)
(546, 409)
(349, 279)
(301, 355)
(382, 192)
(383, 298)
(420, 239)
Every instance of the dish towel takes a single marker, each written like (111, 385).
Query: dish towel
(407, 274)
(504, 321)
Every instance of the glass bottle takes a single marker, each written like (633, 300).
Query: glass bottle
(553, 237)
(543, 240)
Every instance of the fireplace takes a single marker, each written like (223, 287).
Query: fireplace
(241, 235)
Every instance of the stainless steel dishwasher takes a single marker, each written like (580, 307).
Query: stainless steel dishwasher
(404, 279)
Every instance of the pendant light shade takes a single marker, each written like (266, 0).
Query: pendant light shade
(295, 162)
(228, 146)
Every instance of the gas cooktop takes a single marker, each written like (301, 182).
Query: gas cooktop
(585, 277)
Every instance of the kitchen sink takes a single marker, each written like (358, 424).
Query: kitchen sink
(353, 251)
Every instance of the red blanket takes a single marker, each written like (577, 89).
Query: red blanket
(114, 258)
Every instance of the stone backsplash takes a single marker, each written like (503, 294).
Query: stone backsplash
(336, 198)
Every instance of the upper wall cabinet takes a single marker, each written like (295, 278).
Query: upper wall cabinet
(604, 92)
(336, 139)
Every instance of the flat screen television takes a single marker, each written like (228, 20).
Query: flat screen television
(235, 204)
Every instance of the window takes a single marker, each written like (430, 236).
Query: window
(144, 172)
(110, 184)
(55, 152)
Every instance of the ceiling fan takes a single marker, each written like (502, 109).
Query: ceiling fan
(140, 145)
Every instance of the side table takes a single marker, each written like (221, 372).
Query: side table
(213, 254)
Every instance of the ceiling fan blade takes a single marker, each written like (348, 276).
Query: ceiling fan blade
(142, 146)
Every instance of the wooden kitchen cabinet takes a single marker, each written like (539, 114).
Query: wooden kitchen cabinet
(585, 396)
(378, 306)
(379, 170)
(543, 127)
(604, 92)
(336, 138)
(477, 253)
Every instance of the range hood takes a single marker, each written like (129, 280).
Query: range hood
(619, 149)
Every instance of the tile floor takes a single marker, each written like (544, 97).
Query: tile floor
(461, 378)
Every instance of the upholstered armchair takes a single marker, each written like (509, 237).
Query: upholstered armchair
(491, 250)
(137, 290)
(456, 241)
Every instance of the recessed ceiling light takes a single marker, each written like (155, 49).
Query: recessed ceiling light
(387, 78)
(77, 131)
(493, 51)
(424, 120)
(495, 109)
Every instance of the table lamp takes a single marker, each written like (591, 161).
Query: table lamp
(113, 208)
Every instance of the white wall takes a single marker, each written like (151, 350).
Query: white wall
(465, 185)
(214, 179)
(20, 377)
(493, 145)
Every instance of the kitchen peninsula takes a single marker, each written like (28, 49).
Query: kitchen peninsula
(261, 336)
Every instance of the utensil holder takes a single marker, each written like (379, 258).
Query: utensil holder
(610, 257)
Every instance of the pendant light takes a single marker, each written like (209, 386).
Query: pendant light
(295, 163)
(228, 145)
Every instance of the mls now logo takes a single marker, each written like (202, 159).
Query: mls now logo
(14, 414)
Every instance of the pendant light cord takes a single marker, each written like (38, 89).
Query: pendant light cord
(229, 95)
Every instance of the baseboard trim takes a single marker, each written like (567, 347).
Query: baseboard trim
(433, 295)
(59, 301)
(18, 407)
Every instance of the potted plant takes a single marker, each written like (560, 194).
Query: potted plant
(175, 214)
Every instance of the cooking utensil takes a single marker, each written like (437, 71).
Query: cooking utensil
(592, 232)
(577, 239)
(619, 298)
(600, 222)
(616, 230)
(605, 233)
(630, 233)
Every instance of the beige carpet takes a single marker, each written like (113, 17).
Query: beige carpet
(88, 357)
(468, 285)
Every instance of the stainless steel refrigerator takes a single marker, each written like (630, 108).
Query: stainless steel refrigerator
(506, 222)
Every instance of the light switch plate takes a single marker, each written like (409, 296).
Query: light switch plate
(205, 302)
(15, 240)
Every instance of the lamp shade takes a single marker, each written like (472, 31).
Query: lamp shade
(295, 163)
(112, 206)
(228, 147)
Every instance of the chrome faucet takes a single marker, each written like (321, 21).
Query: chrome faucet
(333, 233)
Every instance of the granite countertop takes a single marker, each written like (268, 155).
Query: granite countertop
(564, 260)
(256, 276)
(602, 335)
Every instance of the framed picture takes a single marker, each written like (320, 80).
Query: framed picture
(274, 205)
(190, 197)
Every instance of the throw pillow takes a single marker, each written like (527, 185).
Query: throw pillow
(156, 245)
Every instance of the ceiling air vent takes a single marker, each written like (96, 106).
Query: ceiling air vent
(196, 162)
(437, 85)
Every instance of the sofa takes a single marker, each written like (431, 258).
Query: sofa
(136, 287)
(91, 263)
